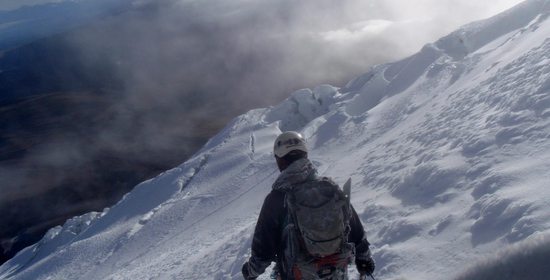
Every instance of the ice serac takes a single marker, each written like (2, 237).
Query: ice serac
(448, 150)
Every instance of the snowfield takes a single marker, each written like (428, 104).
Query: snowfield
(448, 151)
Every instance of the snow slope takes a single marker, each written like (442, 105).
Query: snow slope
(524, 260)
(448, 151)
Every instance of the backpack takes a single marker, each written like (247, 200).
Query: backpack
(316, 232)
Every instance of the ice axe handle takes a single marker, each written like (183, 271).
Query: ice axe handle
(347, 190)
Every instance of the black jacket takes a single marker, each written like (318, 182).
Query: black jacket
(267, 244)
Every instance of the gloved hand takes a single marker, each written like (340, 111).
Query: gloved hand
(246, 272)
(365, 266)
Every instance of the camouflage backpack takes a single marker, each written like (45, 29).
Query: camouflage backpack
(316, 233)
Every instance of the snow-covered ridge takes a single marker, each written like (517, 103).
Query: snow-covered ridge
(448, 151)
(448, 53)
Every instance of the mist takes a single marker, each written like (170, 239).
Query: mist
(245, 54)
(166, 76)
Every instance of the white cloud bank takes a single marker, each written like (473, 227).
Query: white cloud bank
(406, 25)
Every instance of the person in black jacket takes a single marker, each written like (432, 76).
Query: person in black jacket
(267, 244)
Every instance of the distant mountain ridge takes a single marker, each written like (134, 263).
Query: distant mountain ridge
(30, 23)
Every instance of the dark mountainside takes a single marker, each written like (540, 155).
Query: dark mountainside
(71, 143)
(56, 168)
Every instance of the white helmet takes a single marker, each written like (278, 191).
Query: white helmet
(289, 141)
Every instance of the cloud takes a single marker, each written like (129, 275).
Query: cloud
(356, 32)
